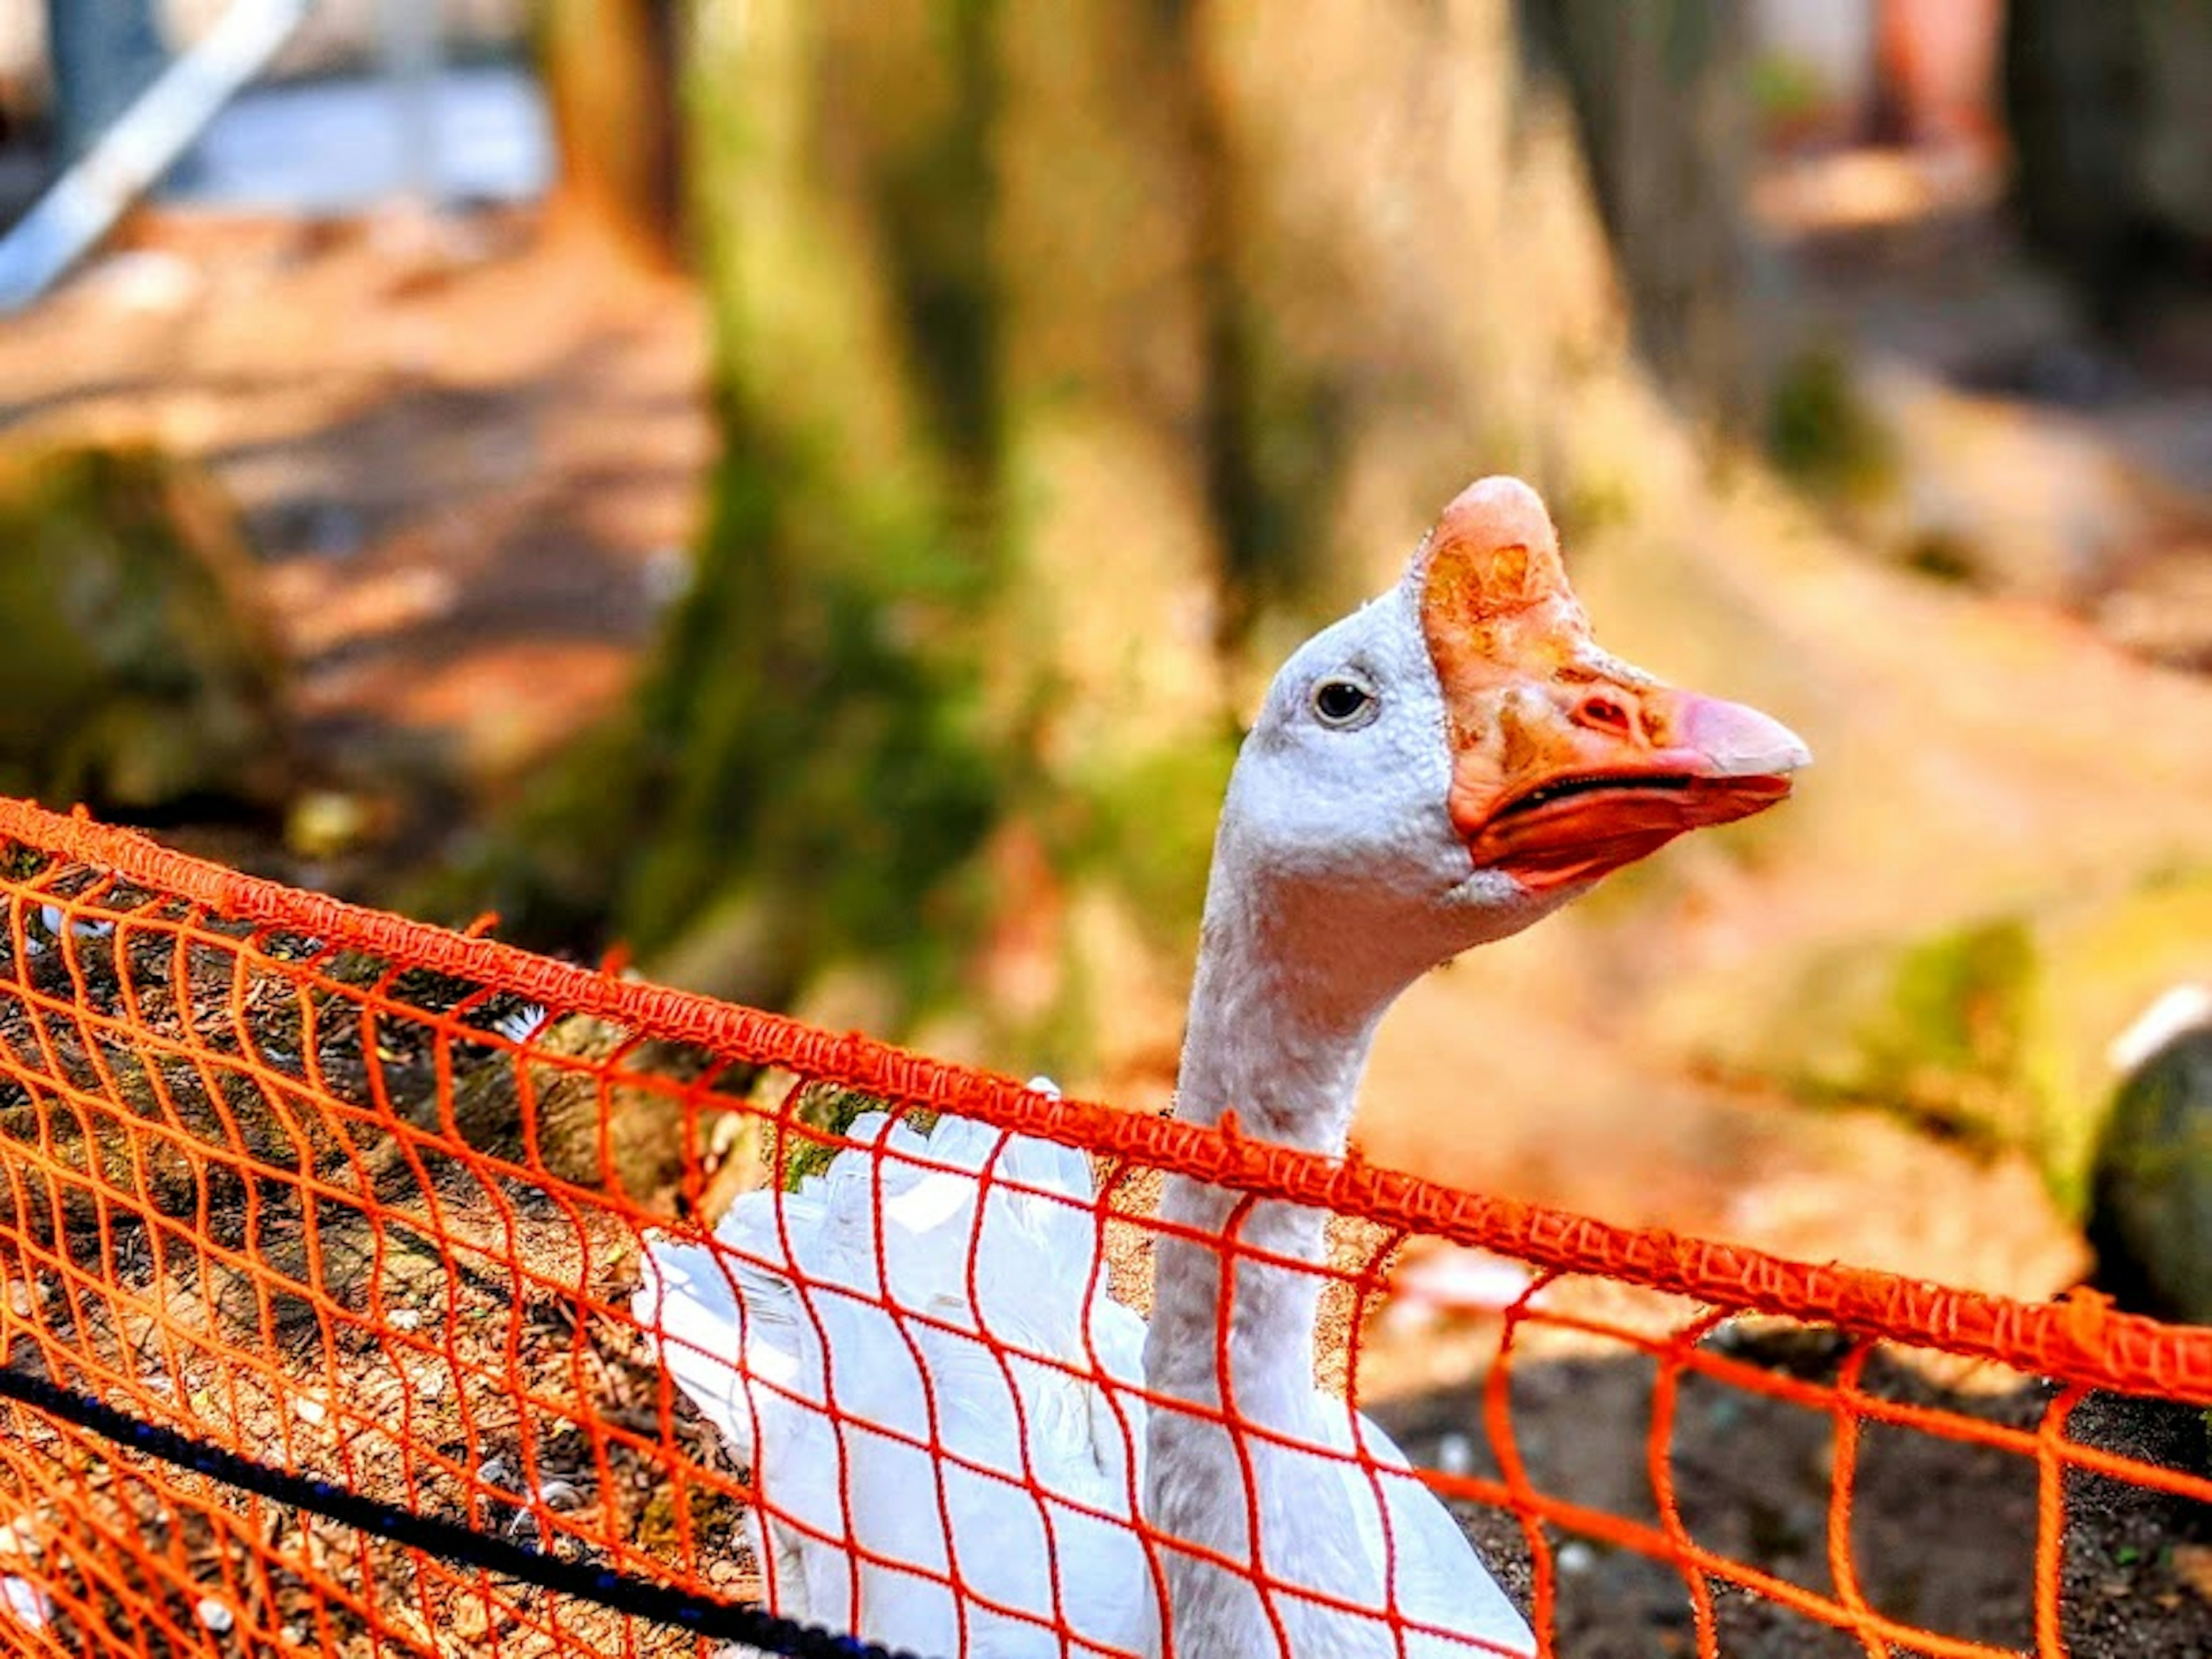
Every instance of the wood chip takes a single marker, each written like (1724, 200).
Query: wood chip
(2192, 1564)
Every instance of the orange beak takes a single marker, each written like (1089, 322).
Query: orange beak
(1620, 795)
(1567, 764)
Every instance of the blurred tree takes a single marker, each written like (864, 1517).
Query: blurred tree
(106, 52)
(1073, 361)
(2112, 177)
(1658, 90)
(611, 75)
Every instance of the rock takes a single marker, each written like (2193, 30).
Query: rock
(138, 672)
(2152, 1200)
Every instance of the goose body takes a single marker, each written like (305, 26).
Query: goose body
(1441, 768)
(831, 1384)
(834, 1397)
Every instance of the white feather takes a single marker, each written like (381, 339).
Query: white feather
(815, 1372)
(799, 1340)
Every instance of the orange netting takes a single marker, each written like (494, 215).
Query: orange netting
(322, 1186)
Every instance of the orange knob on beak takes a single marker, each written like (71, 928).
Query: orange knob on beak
(1567, 763)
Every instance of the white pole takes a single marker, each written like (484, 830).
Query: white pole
(132, 154)
(411, 51)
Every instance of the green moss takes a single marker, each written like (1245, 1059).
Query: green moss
(1961, 1000)
(1146, 827)
(1937, 1028)
(815, 733)
(675, 1512)
(830, 1112)
(1820, 431)
(808, 772)
(1996, 1032)
(19, 861)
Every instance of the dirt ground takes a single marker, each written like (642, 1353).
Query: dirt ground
(1942, 1532)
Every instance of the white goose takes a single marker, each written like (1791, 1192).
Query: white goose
(1437, 770)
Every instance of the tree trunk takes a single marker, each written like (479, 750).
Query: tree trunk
(2112, 177)
(819, 772)
(611, 68)
(1658, 94)
(1071, 365)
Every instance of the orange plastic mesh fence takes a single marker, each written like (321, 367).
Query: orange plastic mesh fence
(323, 1187)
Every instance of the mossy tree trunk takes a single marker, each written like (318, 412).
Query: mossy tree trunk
(822, 768)
(1072, 361)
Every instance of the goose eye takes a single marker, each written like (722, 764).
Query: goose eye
(1344, 701)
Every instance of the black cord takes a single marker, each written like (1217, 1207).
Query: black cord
(641, 1598)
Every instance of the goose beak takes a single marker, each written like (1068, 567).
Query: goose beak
(1588, 783)
(1567, 763)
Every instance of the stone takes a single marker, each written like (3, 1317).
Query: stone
(2151, 1217)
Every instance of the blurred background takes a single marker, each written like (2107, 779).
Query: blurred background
(807, 492)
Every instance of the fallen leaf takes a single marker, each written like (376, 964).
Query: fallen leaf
(2192, 1564)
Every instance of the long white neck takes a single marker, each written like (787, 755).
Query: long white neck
(1262, 1044)
(1283, 1047)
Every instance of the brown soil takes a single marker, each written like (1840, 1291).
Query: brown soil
(229, 1225)
(1941, 1535)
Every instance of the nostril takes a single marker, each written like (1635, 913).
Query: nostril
(1605, 714)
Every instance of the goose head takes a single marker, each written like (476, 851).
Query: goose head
(1459, 757)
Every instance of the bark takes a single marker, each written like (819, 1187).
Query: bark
(816, 772)
(610, 69)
